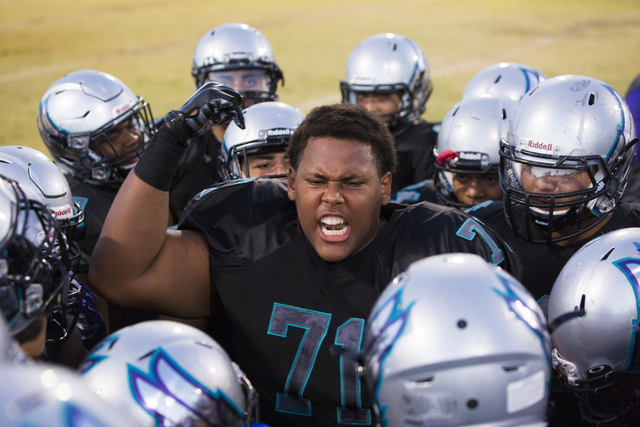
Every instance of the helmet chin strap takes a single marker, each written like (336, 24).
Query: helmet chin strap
(554, 221)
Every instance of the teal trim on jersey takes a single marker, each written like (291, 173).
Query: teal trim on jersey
(358, 386)
(479, 206)
(471, 228)
(294, 321)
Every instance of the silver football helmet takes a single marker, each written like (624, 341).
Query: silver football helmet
(268, 128)
(39, 395)
(567, 129)
(170, 374)
(390, 63)
(43, 181)
(34, 272)
(456, 341)
(597, 354)
(508, 79)
(469, 140)
(235, 46)
(94, 126)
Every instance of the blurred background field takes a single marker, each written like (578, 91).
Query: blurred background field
(149, 44)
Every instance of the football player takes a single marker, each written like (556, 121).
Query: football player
(455, 341)
(632, 193)
(96, 129)
(294, 266)
(259, 150)
(596, 355)
(170, 374)
(467, 154)
(43, 181)
(34, 264)
(564, 167)
(506, 79)
(238, 56)
(388, 74)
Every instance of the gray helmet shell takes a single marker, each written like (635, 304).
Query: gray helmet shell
(456, 341)
(509, 79)
(42, 395)
(569, 122)
(40, 179)
(178, 362)
(469, 139)
(234, 46)
(390, 62)
(600, 278)
(268, 127)
(79, 108)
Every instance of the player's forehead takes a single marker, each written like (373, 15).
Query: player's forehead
(337, 157)
(268, 156)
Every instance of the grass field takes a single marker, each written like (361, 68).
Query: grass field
(148, 44)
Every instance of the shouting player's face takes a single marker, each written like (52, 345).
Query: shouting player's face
(338, 195)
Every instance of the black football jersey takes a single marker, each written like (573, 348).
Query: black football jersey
(285, 307)
(414, 152)
(543, 262)
(198, 169)
(423, 191)
(95, 201)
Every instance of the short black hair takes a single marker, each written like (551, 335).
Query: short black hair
(345, 121)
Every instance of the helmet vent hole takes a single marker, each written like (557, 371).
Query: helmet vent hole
(592, 98)
(472, 404)
(144, 356)
(395, 46)
(504, 114)
(532, 91)
(203, 344)
(456, 110)
(607, 254)
(582, 302)
(424, 382)
(462, 324)
(498, 79)
(597, 371)
(113, 343)
(510, 368)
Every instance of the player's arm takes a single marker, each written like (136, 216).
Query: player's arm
(137, 262)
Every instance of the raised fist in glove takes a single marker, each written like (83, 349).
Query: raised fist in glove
(209, 106)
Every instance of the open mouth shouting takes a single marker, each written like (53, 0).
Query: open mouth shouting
(334, 229)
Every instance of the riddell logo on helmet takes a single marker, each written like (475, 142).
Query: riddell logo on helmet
(539, 145)
(62, 212)
(278, 132)
(468, 155)
(123, 107)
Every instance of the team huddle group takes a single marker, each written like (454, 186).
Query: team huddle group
(237, 262)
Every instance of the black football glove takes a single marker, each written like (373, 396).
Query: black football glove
(209, 106)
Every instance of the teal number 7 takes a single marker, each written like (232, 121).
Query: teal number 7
(316, 325)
